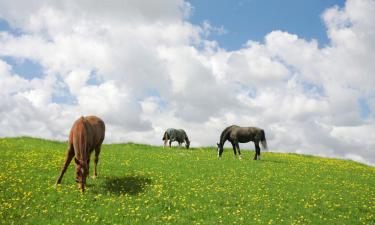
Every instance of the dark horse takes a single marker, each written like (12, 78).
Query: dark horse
(178, 135)
(235, 134)
(86, 135)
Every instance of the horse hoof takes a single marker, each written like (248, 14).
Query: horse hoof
(94, 177)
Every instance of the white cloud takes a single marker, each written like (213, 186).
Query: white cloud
(143, 67)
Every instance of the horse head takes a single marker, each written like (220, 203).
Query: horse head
(81, 173)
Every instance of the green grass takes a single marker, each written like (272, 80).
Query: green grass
(141, 184)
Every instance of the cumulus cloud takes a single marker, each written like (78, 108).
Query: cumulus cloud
(143, 67)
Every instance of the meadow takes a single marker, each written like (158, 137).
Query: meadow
(142, 184)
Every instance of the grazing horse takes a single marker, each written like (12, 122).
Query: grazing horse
(235, 134)
(86, 135)
(178, 135)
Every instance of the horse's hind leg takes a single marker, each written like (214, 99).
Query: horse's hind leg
(68, 159)
(88, 163)
(257, 151)
(97, 152)
(239, 151)
(234, 149)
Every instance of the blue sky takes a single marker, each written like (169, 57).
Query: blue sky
(3, 25)
(252, 19)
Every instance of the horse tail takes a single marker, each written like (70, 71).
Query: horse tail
(165, 136)
(263, 140)
(80, 144)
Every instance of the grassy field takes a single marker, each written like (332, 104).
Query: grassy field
(141, 184)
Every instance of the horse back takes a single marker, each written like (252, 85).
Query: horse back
(245, 134)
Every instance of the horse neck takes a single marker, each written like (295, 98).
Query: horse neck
(222, 141)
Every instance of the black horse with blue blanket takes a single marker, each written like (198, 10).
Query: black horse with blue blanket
(178, 135)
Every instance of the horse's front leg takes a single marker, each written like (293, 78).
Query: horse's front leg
(257, 150)
(170, 143)
(68, 159)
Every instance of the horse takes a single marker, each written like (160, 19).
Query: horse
(86, 134)
(235, 134)
(178, 135)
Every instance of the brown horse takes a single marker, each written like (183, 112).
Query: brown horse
(86, 135)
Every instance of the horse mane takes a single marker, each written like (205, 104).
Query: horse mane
(224, 134)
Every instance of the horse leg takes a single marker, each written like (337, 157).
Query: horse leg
(97, 152)
(165, 143)
(239, 151)
(88, 164)
(257, 150)
(234, 149)
(68, 159)
(170, 143)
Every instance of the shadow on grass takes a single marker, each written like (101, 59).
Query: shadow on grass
(273, 161)
(127, 185)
